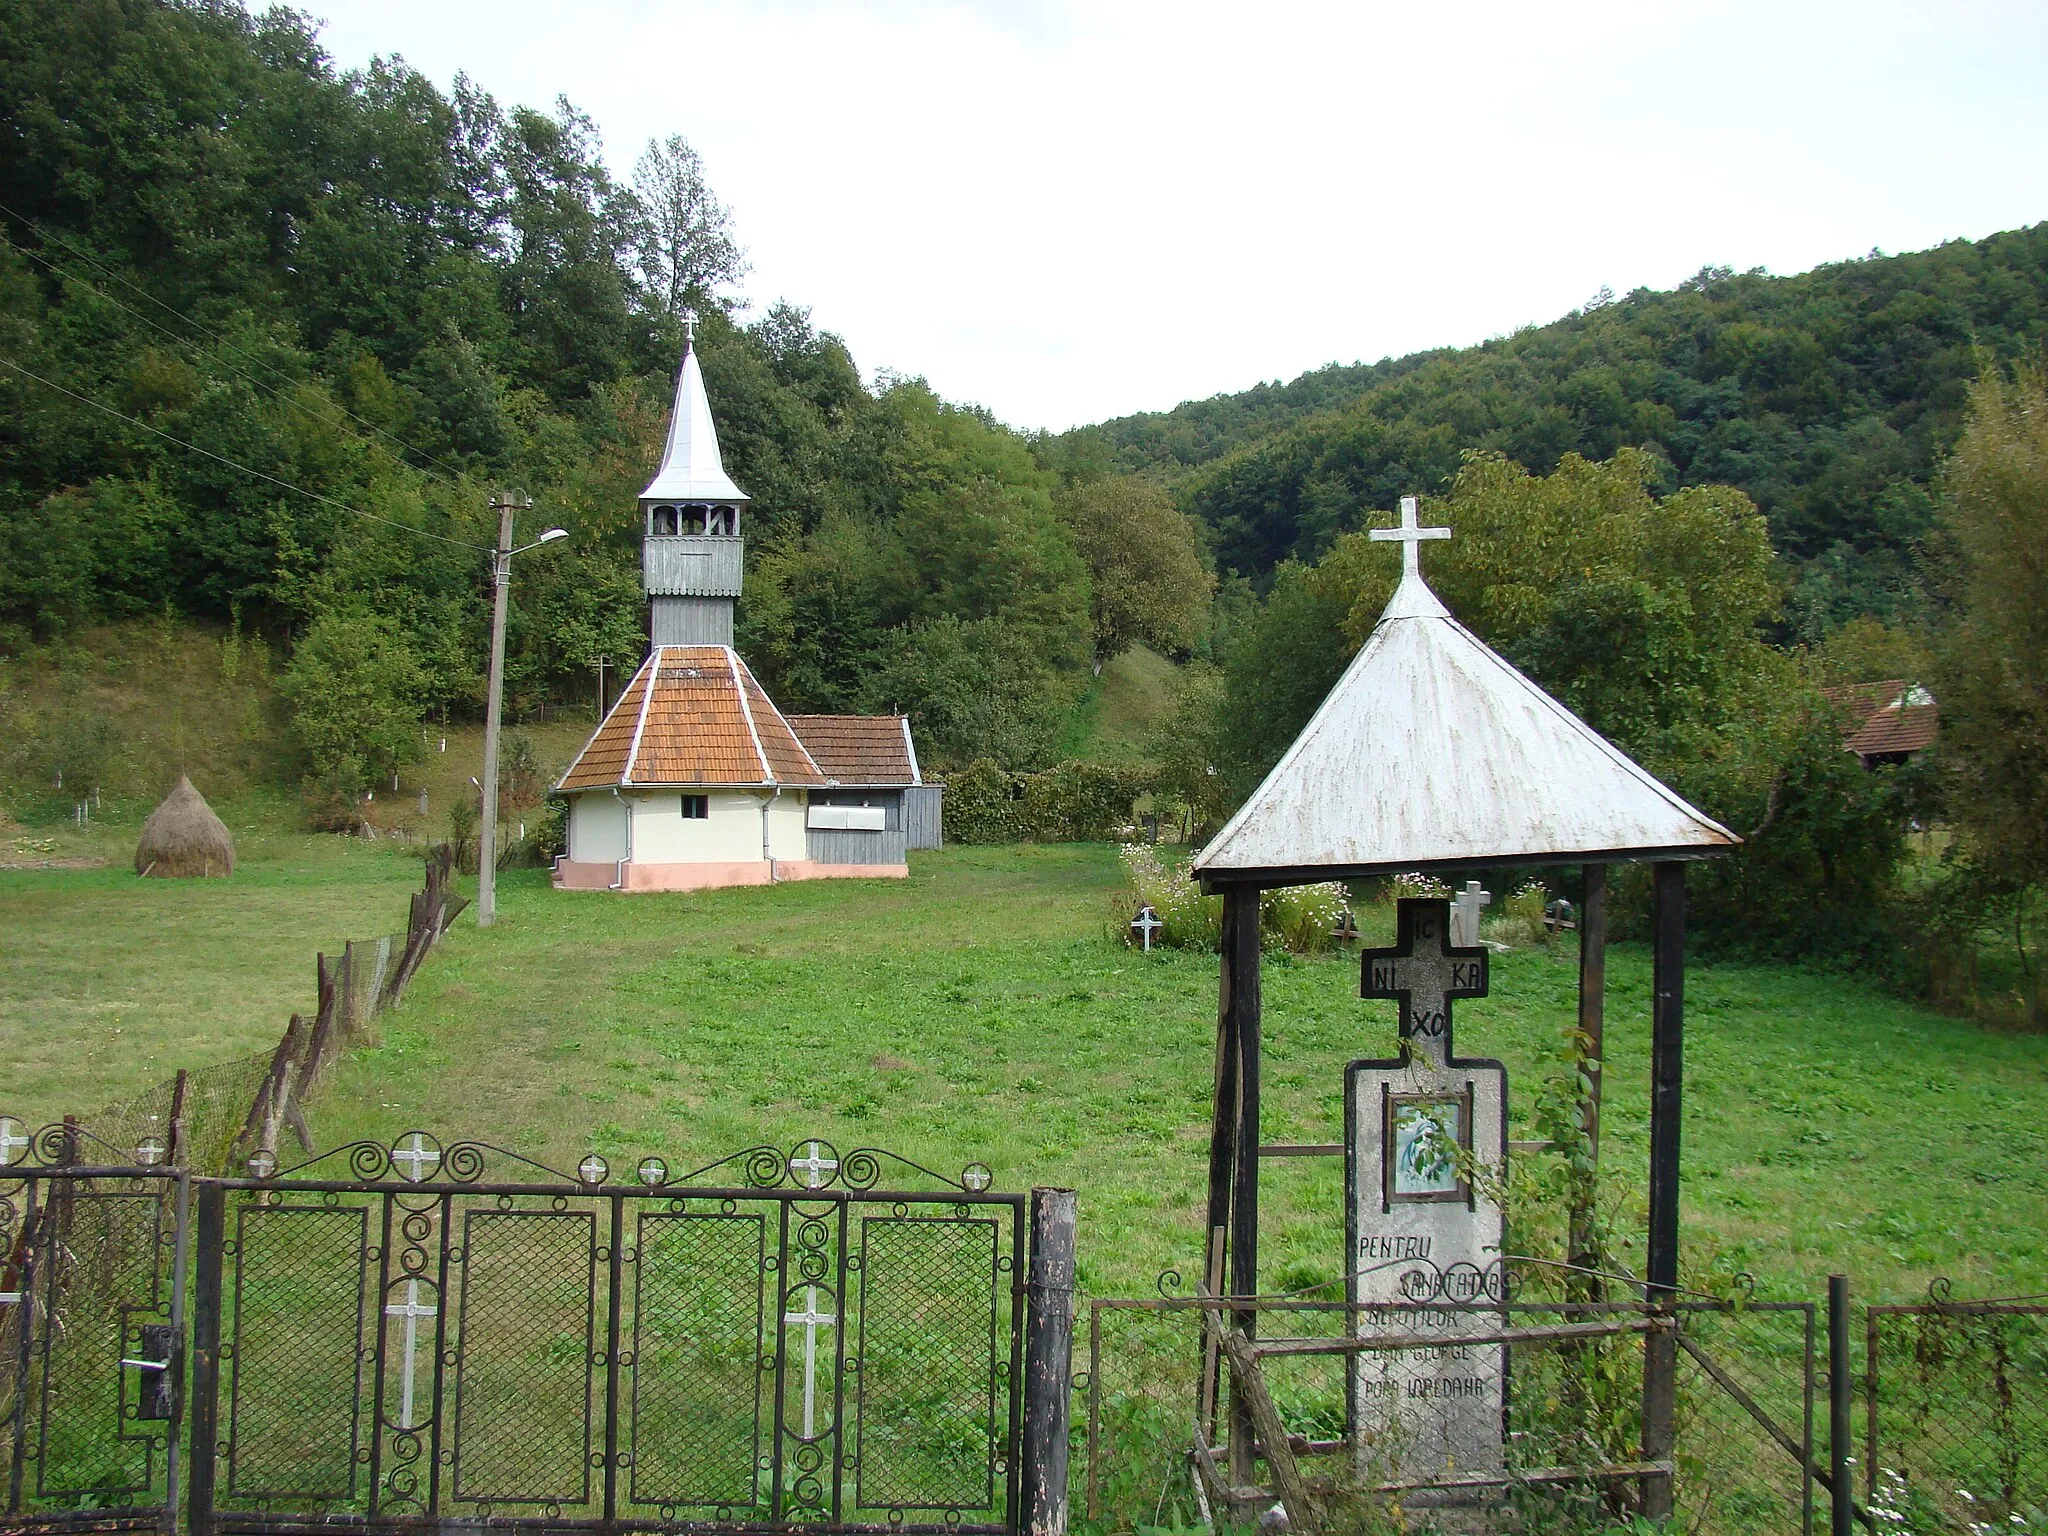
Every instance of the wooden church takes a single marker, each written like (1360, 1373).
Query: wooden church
(694, 779)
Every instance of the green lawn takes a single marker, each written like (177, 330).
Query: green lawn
(978, 1011)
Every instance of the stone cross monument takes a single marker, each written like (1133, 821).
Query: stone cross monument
(1425, 1133)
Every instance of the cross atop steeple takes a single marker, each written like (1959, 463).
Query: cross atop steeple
(1409, 536)
(689, 326)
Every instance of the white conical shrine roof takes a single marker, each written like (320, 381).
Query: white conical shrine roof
(690, 467)
(1432, 750)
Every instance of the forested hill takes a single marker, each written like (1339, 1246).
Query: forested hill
(272, 332)
(1828, 397)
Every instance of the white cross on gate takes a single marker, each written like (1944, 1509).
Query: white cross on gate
(415, 1157)
(1147, 923)
(411, 1310)
(811, 1320)
(1465, 915)
(13, 1135)
(1408, 536)
(815, 1168)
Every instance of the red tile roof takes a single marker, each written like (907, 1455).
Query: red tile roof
(860, 749)
(1887, 718)
(692, 715)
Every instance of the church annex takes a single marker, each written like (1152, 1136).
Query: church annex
(694, 779)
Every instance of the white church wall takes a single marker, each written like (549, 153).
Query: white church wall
(786, 837)
(729, 834)
(597, 829)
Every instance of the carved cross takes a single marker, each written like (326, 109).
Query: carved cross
(1424, 971)
(1408, 536)
(810, 1319)
(412, 1311)
(14, 1140)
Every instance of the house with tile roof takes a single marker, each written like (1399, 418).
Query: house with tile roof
(694, 779)
(1887, 722)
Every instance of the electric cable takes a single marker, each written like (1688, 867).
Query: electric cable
(289, 398)
(220, 458)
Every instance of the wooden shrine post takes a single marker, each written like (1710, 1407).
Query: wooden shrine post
(1667, 1078)
(1234, 1141)
(1584, 1251)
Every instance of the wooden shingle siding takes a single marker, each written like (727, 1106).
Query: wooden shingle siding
(826, 847)
(923, 824)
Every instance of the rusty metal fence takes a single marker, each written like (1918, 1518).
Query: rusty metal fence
(384, 1336)
(1155, 1414)
(1955, 1401)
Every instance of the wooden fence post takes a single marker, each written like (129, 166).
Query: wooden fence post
(178, 1149)
(1048, 1362)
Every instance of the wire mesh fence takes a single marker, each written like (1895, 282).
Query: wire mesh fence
(1956, 1414)
(1391, 1435)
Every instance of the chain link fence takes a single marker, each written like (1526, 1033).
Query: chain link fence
(1154, 1407)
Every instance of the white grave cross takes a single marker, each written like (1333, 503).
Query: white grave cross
(14, 1138)
(1147, 923)
(1465, 915)
(1408, 536)
(412, 1311)
(817, 1170)
(810, 1319)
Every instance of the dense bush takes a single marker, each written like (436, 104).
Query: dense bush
(1072, 803)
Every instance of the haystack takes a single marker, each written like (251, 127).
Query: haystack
(184, 838)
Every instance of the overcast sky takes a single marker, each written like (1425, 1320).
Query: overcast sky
(1070, 211)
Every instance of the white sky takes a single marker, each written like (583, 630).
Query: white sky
(1068, 211)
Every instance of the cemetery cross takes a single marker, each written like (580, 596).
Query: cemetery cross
(1465, 914)
(13, 1137)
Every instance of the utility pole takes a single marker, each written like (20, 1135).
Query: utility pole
(505, 504)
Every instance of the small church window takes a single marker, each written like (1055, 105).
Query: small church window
(696, 807)
(664, 520)
(722, 520)
(693, 519)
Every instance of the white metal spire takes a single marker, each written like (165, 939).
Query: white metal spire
(691, 469)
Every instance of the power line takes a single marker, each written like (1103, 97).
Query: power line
(290, 398)
(297, 490)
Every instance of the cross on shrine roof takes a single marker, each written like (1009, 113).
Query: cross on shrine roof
(1433, 751)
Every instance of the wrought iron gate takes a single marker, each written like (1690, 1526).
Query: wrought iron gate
(387, 1335)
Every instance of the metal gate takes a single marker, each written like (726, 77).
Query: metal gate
(387, 1335)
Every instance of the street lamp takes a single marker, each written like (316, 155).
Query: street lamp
(501, 577)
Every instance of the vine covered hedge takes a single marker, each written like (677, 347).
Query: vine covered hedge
(1069, 803)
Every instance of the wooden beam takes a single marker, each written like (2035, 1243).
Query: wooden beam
(1248, 1383)
(1667, 1104)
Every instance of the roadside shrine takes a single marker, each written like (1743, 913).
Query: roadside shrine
(1432, 754)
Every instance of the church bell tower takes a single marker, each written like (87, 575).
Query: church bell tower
(690, 554)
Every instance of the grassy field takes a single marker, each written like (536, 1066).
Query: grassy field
(1121, 709)
(978, 1011)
